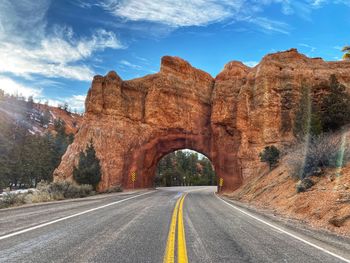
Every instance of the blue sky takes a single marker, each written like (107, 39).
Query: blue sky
(52, 48)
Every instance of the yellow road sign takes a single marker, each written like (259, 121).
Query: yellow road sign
(133, 176)
(221, 182)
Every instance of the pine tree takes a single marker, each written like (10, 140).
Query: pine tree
(89, 169)
(302, 116)
(30, 102)
(336, 106)
(270, 155)
(307, 118)
(45, 117)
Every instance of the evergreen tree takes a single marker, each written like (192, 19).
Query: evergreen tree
(89, 169)
(25, 158)
(184, 168)
(270, 155)
(335, 106)
(30, 102)
(65, 107)
(45, 117)
(307, 118)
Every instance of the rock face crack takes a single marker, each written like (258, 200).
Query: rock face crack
(230, 119)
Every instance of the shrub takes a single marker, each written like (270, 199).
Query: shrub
(323, 151)
(10, 199)
(46, 192)
(270, 155)
(304, 184)
(310, 157)
(64, 189)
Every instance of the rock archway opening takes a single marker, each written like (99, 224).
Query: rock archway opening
(184, 168)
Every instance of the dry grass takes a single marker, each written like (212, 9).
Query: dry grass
(46, 192)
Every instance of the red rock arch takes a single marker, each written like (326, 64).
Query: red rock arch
(230, 118)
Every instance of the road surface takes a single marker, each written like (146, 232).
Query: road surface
(179, 224)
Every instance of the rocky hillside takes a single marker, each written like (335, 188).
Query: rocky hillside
(37, 118)
(325, 205)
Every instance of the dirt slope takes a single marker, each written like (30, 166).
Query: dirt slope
(326, 205)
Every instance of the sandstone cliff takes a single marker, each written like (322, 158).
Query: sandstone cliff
(230, 119)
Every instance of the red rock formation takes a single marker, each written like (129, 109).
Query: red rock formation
(230, 119)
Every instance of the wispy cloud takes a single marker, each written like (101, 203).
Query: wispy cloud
(185, 13)
(310, 48)
(28, 46)
(130, 65)
(174, 13)
(320, 3)
(269, 25)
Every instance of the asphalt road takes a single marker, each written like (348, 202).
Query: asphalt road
(179, 224)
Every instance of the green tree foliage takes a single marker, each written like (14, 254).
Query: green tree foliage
(25, 159)
(346, 55)
(184, 168)
(270, 155)
(307, 118)
(45, 117)
(335, 106)
(89, 169)
(30, 102)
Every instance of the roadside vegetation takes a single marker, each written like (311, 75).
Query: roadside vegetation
(28, 157)
(320, 127)
(87, 175)
(46, 192)
(270, 155)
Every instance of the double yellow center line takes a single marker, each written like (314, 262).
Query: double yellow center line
(177, 217)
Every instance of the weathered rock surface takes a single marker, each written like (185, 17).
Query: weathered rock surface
(230, 119)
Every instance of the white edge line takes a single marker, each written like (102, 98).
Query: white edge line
(284, 231)
(68, 217)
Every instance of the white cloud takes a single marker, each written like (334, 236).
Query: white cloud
(320, 3)
(250, 63)
(55, 56)
(311, 48)
(76, 102)
(28, 46)
(269, 25)
(184, 13)
(174, 13)
(130, 65)
(14, 88)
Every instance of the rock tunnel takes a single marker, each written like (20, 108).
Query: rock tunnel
(229, 119)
